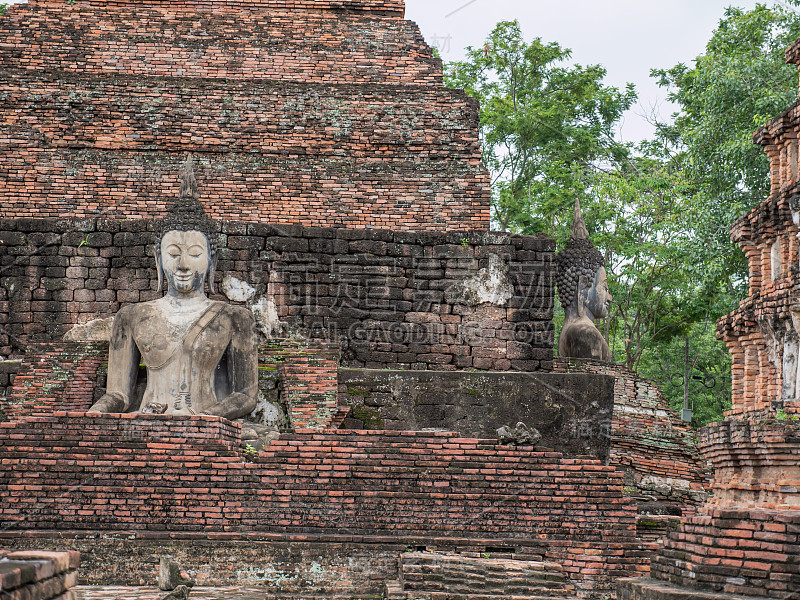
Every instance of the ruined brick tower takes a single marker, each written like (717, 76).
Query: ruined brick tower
(745, 540)
(310, 112)
(762, 334)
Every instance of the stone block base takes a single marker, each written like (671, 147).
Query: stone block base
(644, 588)
(38, 575)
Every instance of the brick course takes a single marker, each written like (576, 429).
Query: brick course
(38, 575)
(70, 471)
(381, 293)
(350, 126)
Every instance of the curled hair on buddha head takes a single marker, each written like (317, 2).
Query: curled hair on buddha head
(579, 258)
(187, 214)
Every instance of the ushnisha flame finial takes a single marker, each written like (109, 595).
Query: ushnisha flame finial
(189, 181)
(579, 231)
(187, 212)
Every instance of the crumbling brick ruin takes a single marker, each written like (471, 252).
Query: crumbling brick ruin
(351, 202)
(315, 113)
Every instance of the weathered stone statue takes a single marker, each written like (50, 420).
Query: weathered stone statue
(201, 355)
(583, 291)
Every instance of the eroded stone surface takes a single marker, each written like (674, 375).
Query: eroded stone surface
(96, 330)
(237, 290)
(490, 285)
(266, 316)
(170, 575)
(519, 435)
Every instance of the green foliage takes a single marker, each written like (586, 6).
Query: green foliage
(706, 367)
(3, 9)
(660, 212)
(545, 126)
(736, 86)
(250, 452)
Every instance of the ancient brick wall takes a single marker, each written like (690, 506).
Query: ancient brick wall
(299, 375)
(390, 297)
(308, 383)
(746, 539)
(762, 334)
(388, 8)
(313, 113)
(8, 371)
(757, 332)
(649, 442)
(57, 377)
(751, 554)
(755, 463)
(393, 485)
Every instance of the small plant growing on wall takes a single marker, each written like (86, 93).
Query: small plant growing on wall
(250, 453)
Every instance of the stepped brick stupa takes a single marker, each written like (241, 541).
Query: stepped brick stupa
(311, 112)
(351, 213)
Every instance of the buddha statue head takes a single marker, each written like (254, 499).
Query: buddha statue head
(186, 250)
(583, 291)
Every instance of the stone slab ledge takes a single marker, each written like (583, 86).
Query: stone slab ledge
(644, 588)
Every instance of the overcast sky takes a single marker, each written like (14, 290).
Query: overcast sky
(627, 37)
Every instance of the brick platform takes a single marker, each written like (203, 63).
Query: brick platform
(170, 475)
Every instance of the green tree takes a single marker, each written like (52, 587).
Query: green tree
(739, 83)
(636, 218)
(3, 8)
(546, 126)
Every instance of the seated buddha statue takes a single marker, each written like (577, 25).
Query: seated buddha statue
(200, 354)
(583, 291)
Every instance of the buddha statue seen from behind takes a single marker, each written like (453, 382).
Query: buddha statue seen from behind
(583, 291)
(201, 355)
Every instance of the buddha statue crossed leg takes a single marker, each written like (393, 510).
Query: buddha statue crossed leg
(201, 355)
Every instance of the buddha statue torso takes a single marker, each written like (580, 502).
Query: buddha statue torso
(184, 350)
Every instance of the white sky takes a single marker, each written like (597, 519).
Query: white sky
(627, 37)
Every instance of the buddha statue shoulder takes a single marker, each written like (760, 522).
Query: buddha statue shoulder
(200, 354)
(582, 284)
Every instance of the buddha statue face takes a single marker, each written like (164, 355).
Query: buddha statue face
(185, 260)
(598, 297)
